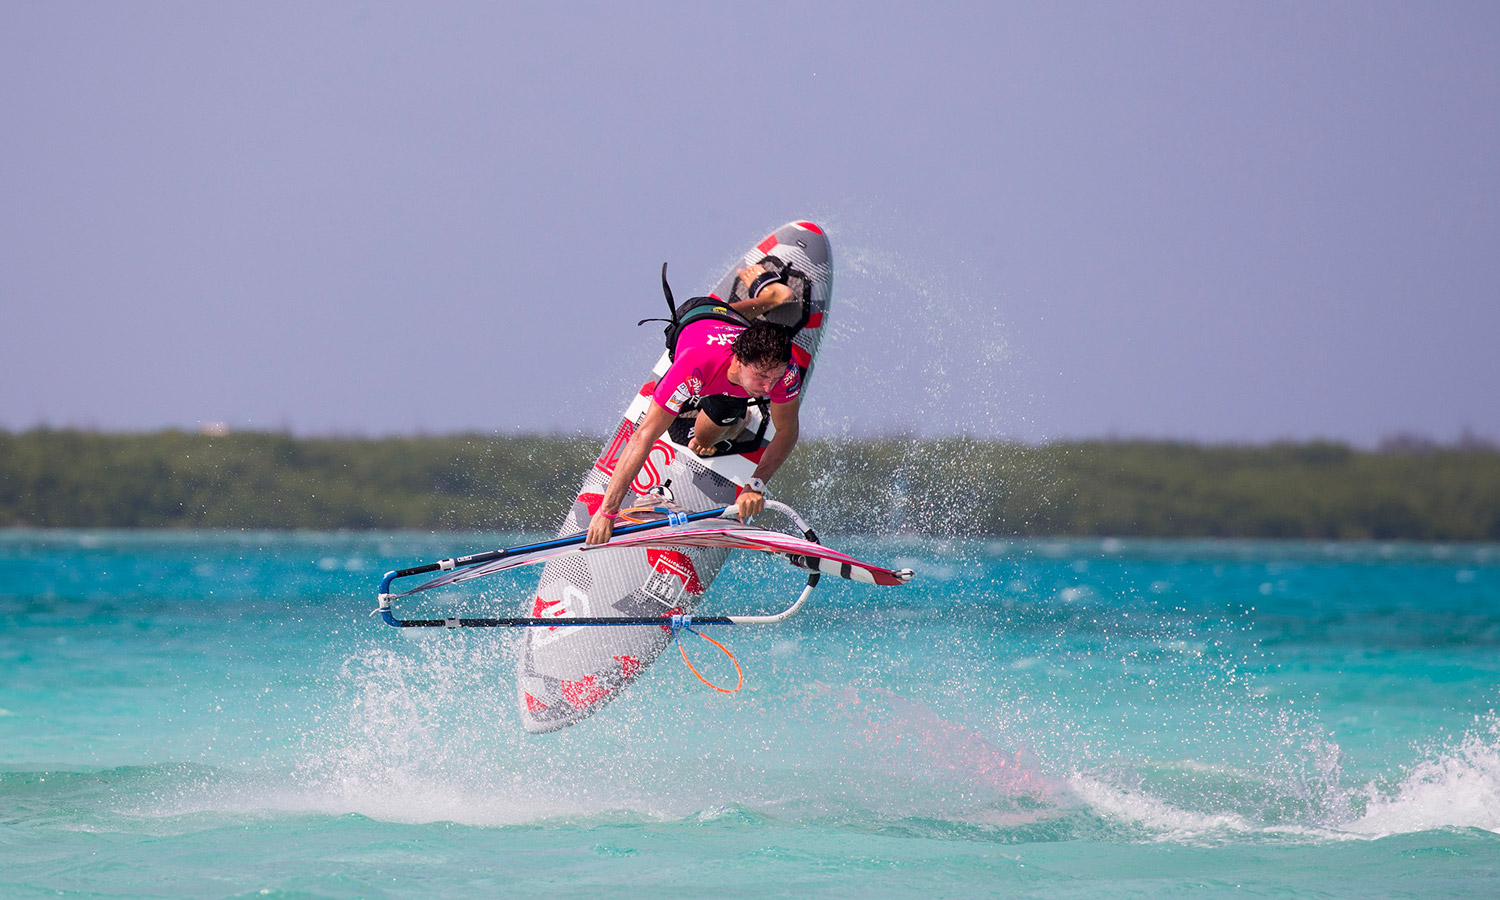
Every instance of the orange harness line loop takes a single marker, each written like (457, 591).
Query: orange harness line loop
(737, 670)
(625, 514)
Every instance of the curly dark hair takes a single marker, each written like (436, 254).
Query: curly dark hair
(763, 344)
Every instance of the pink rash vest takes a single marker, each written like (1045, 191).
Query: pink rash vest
(702, 369)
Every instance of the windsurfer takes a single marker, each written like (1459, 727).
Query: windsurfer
(721, 417)
(719, 367)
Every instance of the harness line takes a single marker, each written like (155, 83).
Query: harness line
(678, 625)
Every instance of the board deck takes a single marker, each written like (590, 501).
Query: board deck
(566, 674)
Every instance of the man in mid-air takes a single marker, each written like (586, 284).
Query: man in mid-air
(719, 368)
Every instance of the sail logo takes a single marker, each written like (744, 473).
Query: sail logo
(574, 603)
(668, 580)
(659, 457)
(606, 463)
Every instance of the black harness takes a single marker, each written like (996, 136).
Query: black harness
(696, 309)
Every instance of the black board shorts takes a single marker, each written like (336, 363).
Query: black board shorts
(721, 408)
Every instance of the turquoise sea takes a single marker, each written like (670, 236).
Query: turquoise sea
(216, 715)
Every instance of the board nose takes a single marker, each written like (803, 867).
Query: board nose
(805, 235)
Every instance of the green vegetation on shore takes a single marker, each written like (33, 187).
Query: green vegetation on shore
(171, 479)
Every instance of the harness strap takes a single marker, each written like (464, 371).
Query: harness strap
(666, 289)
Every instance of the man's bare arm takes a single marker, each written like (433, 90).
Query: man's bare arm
(770, 296)
(653, 425)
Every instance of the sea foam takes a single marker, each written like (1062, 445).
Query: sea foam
(1459, 787)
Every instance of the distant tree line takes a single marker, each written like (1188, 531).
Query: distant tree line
(960, 486)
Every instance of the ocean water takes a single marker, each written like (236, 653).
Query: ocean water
(217, 715)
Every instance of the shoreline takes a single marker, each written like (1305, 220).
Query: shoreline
(947, 487)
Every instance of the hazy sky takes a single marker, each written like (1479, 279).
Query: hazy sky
(1225, 221)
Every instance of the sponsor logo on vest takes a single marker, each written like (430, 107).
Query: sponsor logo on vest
(679, 397)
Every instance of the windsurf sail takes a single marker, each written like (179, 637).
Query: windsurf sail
(658, 526)
(463, 568)
(802, 553)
